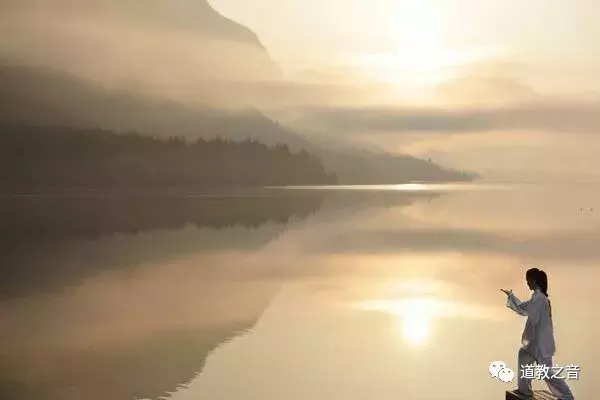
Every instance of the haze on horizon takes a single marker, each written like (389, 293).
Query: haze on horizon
(502, 87)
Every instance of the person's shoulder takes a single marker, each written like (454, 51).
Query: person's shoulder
(538, 296)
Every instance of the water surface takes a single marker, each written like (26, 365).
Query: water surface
(335, 294)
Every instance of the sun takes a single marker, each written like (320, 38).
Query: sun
(419, 57)
(415, 329)
(419, 32)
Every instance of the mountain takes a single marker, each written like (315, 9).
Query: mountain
(368, 167)
(167, 45)
(41, 96)
(196, 16)
(162, 68)
(199, 18)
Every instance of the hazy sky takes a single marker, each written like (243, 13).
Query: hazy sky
(553, 42)
(454, 53)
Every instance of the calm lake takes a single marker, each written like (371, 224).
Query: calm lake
(348, 293)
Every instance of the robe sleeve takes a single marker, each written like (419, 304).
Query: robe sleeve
(518, 306)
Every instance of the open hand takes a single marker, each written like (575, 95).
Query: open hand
(507, 292)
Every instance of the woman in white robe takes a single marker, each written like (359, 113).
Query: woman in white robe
(538, 336)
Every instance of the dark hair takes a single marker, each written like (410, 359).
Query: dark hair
(540, 279)
(531, 274)
(542, 282)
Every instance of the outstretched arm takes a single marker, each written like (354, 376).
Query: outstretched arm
(518, 306)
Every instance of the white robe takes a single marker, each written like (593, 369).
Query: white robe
(538, 335)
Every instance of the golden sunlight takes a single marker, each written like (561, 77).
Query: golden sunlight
(418, 33)
(411, 187)
(416, 318)
(419, 59)
(417, 315)
(415, 329)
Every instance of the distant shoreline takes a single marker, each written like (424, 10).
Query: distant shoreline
(240, 191)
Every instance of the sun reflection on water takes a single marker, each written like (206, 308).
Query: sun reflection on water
(417, 315)
(415, 329)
